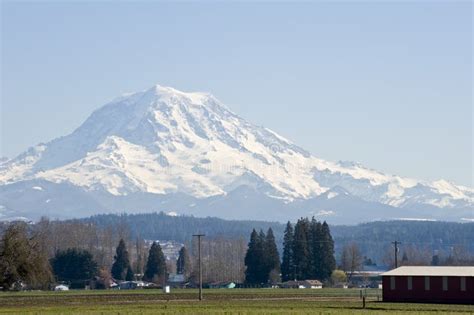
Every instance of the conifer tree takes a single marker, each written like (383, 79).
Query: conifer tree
(121, 263)
(183, 265)
(301, 249)
(328, 262)
(156, 265)
(253, 259)
(129, 276)
(316, 246)
(262, 262)
(404, 259)
(287, 265)
(271, 256)
(75, 265)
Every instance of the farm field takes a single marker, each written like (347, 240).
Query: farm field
(216, 301)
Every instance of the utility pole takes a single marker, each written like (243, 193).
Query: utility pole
(200, 264)
(396, 243)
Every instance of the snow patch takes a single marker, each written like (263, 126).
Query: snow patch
(324, 213)
(415, 219)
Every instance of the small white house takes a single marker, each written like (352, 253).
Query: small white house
(303, 284)
(61, 287)
(313, 284)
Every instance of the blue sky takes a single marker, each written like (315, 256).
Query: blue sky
(385, 84)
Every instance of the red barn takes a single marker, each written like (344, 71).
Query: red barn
(429, 284)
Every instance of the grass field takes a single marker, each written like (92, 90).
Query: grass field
(225, 301)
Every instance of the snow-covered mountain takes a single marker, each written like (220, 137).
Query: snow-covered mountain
(163, 149)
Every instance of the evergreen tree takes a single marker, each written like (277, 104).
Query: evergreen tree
(129, 276)
(270, 255)
(404, 259)
(301, 249)
(435, 260)
(183, 265)
(74, 265)
(156, 265)
(121, 263)
(287, 266)
(262, 262)
(328, 262)
(316, 246)
(254, 259)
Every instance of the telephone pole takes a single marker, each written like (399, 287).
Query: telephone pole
(396, 243)
(200, 264)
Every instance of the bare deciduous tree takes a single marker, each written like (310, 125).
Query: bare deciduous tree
(351, 259)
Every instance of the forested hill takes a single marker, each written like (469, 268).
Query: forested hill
(429, 233)
(417, 238)
(180, 228)
(373, 238)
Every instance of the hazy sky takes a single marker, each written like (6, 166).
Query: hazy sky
(385, 84)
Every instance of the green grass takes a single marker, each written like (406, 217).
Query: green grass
(233, 301)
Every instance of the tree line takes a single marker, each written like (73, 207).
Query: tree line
(24, 263)
(373, 239)
(308, 253)
(305, 248)
(78, 253)
(159, 225)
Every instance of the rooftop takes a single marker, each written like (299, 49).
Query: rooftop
(431, 271)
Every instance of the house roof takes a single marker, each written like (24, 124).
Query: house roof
(431, 271)
(302, 282)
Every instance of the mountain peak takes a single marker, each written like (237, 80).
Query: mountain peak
(163, 141)
(195, 98)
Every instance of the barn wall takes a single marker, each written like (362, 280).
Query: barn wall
(435, 294)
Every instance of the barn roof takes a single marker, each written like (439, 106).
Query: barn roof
(431, 271)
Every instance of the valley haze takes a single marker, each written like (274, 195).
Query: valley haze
(162, 149)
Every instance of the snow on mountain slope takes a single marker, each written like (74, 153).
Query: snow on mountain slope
(164, 141)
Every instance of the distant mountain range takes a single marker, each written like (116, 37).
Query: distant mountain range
(166, 150)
